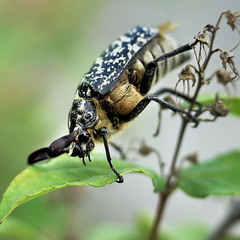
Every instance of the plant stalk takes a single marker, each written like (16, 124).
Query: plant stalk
(169, 187)
(160, 210)
(171, 180)
(163, 197)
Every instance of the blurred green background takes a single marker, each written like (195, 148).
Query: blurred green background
(44, 52)
(45, 48)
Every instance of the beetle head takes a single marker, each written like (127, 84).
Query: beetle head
(78, 142)
(83, 114)
(82, 144)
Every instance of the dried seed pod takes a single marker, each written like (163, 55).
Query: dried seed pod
(226, 58)
(186, 74)
(218, 109)
(202, 38)
(233, 19)
(192, 158)
(224, 77)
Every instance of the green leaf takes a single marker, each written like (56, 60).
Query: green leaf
(17, 229)
(232, 102)
(45, 177)
(217, 176)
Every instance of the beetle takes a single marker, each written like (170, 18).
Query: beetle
(114, 92)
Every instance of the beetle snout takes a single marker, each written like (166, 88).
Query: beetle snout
(82, 144)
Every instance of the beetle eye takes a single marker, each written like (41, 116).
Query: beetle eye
(88, 116)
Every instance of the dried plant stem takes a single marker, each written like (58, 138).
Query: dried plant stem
(170, 185)
(160, 210)
(211, 51)
(199, 72)
(163, 197)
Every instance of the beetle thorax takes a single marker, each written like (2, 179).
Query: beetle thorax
(83, 114)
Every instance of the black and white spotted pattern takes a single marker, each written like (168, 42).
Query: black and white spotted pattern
(105, 71)
(82, 114)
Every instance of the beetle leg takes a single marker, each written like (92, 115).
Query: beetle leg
(178, 94)
(145, 101)
(148, 78)
(103, 133)
(176, 51)
(152, 66)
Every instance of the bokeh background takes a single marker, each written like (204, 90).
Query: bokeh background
(45, 48)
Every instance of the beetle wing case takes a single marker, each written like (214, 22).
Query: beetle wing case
(105, 71)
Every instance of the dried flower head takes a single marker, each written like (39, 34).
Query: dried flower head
(209, 28)
(226, 57)
(233, 19)
(227, 60)
(192, 158)
(186, 74)
(144, 149)
(202, 38)
(224, 77)
(218, 109)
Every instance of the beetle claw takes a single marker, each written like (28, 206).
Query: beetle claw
(120, 179)
(83, 160)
